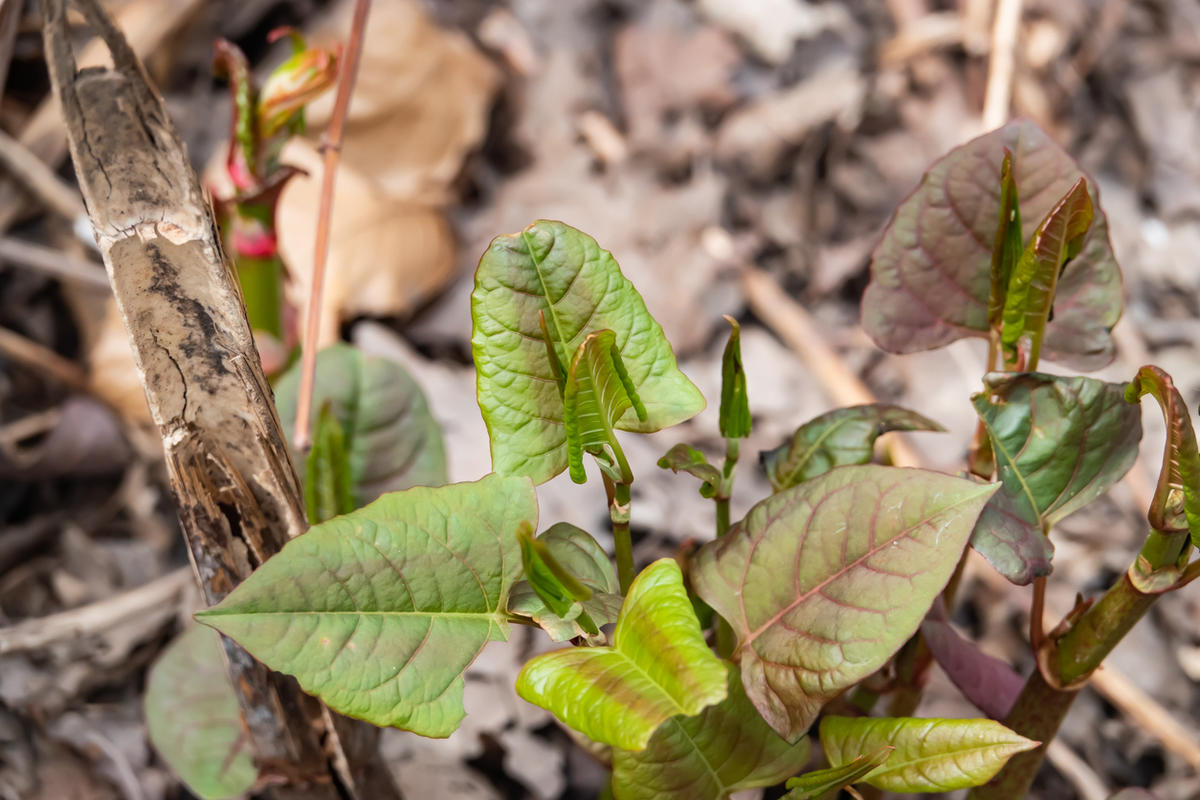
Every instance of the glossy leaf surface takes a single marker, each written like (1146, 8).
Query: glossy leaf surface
(1176, 504)
(597, 392)
(578, 552)
(1059, 443)
(1008, 246)
(328, 490)
(814, 785)
(931, 755)
(726, 747)
(838, 438)
(823, 582)
(658, 667)
(392, 441)
(931, 273)
(379, 612)
(685, 458)
(561, 273)
(734, 419)
(1034, 281)
(193, 718)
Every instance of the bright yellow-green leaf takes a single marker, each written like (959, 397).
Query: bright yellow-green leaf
(813, 785)
(597, 391)
(658, 667)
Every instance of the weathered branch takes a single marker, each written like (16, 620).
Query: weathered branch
(237, 493)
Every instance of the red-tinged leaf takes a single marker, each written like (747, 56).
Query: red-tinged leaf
(1034, 281)
(1059, 444)
(985, 680)
(822, 583)
(1176, 504)
(931, 273)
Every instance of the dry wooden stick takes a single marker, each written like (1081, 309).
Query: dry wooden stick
(52, 262)
(230, 472)
(333, 151)
(35, 356)
(39, 180)
(1001, 64)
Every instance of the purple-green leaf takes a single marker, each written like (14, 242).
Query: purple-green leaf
(379, 612)
(1034, 281)
(658, 667)
(823, 582)
(988, 682)
(193, 718)
(1059, 444)
(727, 747)
(685, 458)
(931, 755)
(814, 785)
(1007, 248)
(838, 438)
(931, 273)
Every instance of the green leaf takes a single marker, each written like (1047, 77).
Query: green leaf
(553, 269)
(823, 582)
(379, 612)
(658, 667)
(685, 458)
(725, 748)
(931, 273)
(814, 785)
(839, 438)
(1176, 504)
(1006, 251)
(734, 420)
(392, 441)
(579, 554)
(1059, 444)
(932, 755)
(596, 393)
(327, 484)
(1034, 281)
(193, 718)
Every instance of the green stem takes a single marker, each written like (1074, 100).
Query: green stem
(618, 512)
(726, 642)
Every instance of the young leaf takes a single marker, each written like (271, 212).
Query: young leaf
(734, 420)
(577, 552)
(597, 392)
(579, 289)
(193, 718)
(1006, 250)
(814, 785)
(557, 587)
(1176, 504)
(1034, 281)
(685, 458)
(986, 681)
(1059, 444)
(327, 486)
(659, 666)
(823, 582)
(932, 755)
(841, 437)
(392, 441)
(379, 612)
(931, 273)
(727, 747)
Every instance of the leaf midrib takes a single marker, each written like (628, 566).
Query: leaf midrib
(888, 768)
(537, 268)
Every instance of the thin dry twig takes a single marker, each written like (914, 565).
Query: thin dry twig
(39, 180)
(1001, 64)
(333, 150)
(1146, 711)
(39, 357)
(1075, 769)
(52, 262)
(34, 634)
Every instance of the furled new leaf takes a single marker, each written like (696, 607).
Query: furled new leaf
(1034, 282)
(1059, 444)
(658, 667)
(596, 393)
(193, 718)
(932, 755)
(578, 553)
(685, 458)
(727, 747)
(1176, 504)
(931, 273)
(328, 491)
(823, 582)
(379, 612)
(988, 682)
(814, 785)
(734, 420)
(1008, 245)
(839, 438)
(560, 273)
(392, 441)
